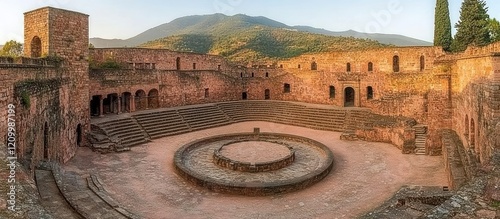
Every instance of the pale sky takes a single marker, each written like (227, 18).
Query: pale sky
(123, 19)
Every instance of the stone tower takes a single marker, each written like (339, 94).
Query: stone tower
(63, 36)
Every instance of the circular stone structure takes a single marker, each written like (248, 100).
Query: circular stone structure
(305, 163)
(254, 156)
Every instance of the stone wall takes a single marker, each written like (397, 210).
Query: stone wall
(476, 96)
(161, 58)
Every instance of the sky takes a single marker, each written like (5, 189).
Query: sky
(123, 19)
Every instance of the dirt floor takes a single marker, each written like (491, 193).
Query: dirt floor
(365, 174)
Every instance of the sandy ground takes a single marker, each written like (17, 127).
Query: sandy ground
(365, 174)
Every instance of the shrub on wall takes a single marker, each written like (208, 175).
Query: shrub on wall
(25, 99)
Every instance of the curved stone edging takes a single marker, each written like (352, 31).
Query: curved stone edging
(226, 162)
(253, 189)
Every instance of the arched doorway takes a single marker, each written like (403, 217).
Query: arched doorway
(349, 97)
(140, 100)
(126, 97)
(244, 96)
(45, 141)
(153, 99)
(178, 63)
(36, 47)
(267, 94)
(79, 135)
(95, 109)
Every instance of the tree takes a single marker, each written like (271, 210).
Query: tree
(472, 28)
(12, 48)
(442, 25)
(494, 28)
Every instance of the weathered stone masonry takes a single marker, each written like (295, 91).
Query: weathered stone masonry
(460, 92)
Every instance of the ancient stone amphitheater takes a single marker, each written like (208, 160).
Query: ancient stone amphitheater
(400, 132)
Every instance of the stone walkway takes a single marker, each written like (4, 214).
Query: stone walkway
(365, 175)
(52, 199)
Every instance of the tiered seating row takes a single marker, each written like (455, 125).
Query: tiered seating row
(124, 130)
(285, 113)
(180, 120)
(164, 123)
(204, 117)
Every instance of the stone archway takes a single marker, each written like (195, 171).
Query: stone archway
(349, 97)
(36, 47)
(141, 101)
(95, 108)
(126, 102)
(244, 96)
(153, 102)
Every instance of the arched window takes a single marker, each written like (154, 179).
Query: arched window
(267, 94)
(299, 66)
(241, 74)
(252, 74)
(206, 93)
(422, 63)
(267, 74)
(370, 66)
(178, 63)
(332, 92)
(314, 66)
(348, 67)
(369, 92)
(194, 66)
(395, 63)
(36, 47)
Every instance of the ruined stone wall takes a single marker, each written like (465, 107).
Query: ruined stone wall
(163, 59)
(176, 88)
(38, 94)
(475, 91)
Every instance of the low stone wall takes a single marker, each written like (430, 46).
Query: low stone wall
(226, 162)
(260, 189)
(397, 132)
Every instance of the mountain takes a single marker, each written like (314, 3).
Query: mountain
(260, 43)
(221, 24)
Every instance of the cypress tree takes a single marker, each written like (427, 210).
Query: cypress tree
(472, 28)
(442, 25)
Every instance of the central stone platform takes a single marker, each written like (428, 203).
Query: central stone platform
(208, 163)
(255, 151)
(254, 156)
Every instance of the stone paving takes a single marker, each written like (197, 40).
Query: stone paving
(365, 175)
(255, 151)
(307, 159)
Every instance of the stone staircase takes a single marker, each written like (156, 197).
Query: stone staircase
(420, 138)
(124, 132)
(138, 128)
(202, 117)
(163, 123)
(354, 119)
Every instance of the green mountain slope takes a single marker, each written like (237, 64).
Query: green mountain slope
(240, 41)
(221, 24)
